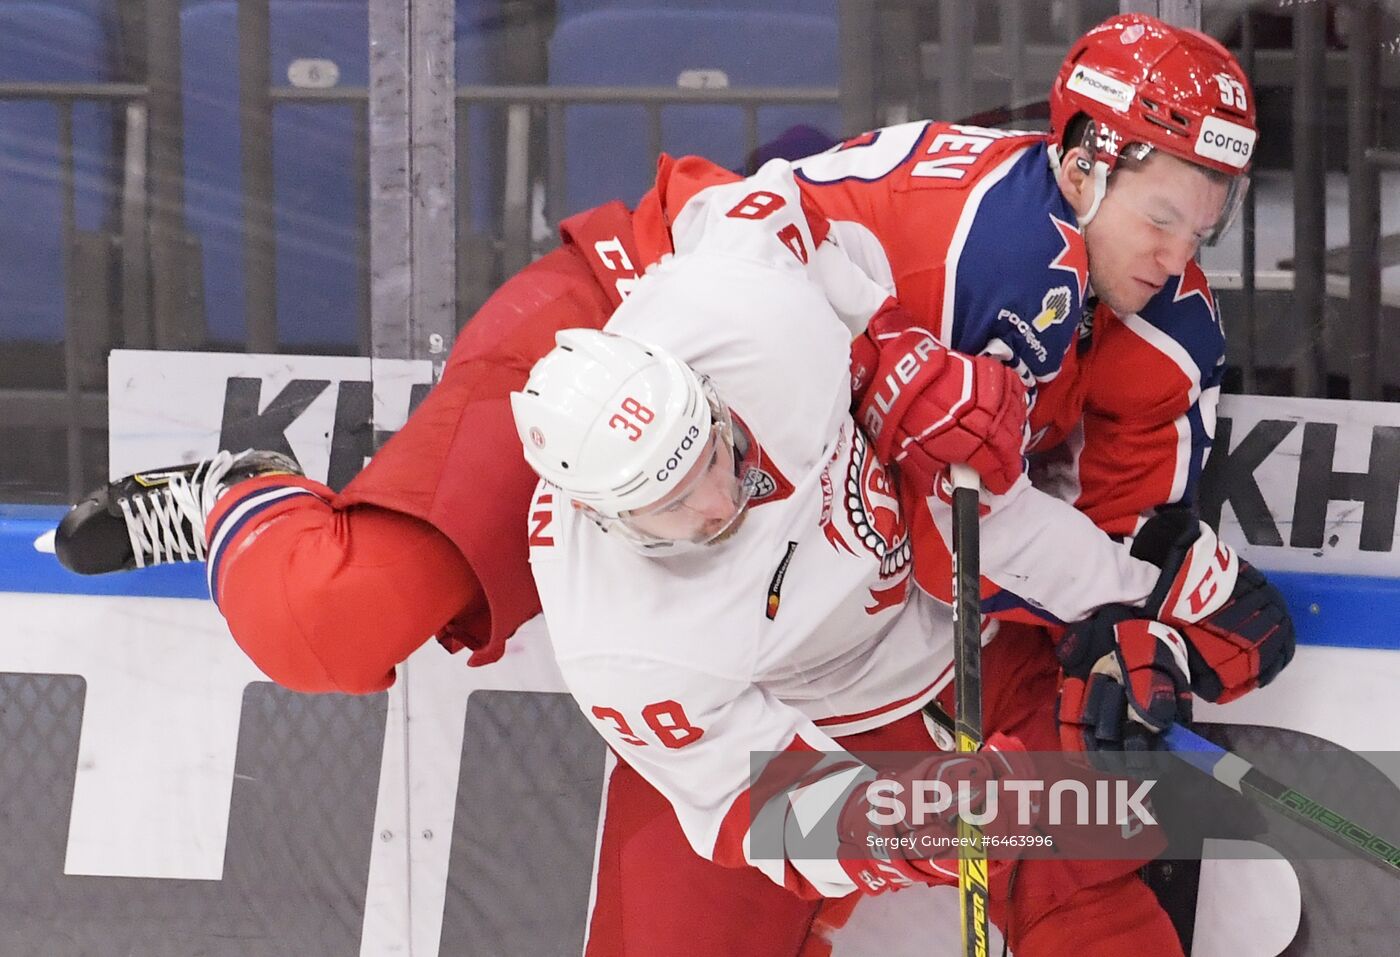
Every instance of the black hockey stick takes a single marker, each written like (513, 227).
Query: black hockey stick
(1244, 778)
(973, 891)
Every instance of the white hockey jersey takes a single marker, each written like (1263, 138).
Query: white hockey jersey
(797, 628)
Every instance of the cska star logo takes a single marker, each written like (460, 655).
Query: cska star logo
(1193, 282)
(1073, 258)
(872, 507)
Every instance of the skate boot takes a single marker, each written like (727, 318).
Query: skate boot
(155, 517)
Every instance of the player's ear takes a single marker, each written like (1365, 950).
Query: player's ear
(1076, 179)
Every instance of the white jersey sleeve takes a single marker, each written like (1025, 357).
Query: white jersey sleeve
(762, 218)
(759, 219)
(1046, 554)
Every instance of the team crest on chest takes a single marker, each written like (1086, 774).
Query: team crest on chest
(872, 506)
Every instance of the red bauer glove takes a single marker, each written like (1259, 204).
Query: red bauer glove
(926, 407)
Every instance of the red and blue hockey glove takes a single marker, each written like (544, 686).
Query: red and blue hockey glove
(925, 407)
(1126, 682)
(1238, 632)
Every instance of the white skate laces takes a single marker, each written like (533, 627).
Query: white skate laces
(166, 522)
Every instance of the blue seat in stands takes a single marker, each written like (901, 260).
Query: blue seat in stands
(321, 197)
(40, 42)
(607, 151)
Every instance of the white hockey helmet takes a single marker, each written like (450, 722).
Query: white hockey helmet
(636, 437)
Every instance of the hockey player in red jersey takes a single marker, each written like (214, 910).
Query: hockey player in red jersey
(992, 243)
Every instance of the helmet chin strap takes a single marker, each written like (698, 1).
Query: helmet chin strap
(1099, 175)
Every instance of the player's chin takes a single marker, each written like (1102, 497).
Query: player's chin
(729, 532)
(1129, 297)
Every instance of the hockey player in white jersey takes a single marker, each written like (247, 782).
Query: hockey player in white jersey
(719, 582)
(724, 569)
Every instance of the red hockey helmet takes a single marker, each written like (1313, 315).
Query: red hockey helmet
(1145, 82)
